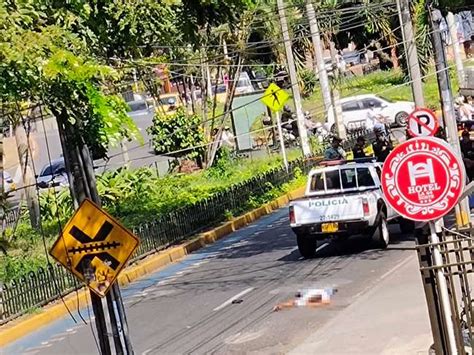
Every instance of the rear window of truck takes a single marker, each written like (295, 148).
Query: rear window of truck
(341, 180)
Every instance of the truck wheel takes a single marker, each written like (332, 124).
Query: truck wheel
(381, 236)
(306, 246)
(406, 226)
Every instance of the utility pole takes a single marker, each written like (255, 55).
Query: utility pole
(456, 50)
(282, 140)
(335, 96)
(82, 182)
(411, 52)
(294, 80)
(319, 66)
(447, 103)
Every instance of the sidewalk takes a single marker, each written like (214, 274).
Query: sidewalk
(392, 318)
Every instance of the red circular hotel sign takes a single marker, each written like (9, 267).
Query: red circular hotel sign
(422, 179)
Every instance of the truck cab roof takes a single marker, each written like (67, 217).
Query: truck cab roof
(343, 177)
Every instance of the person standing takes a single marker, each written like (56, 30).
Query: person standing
(335, 151)
(373, 120)
(382, 146)
(358, 150)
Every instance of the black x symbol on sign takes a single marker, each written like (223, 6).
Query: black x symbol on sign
(94, 247)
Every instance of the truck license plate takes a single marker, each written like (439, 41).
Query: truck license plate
(329, 227)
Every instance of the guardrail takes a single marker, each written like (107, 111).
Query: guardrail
(38, 288)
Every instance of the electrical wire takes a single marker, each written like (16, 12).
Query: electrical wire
(268, 127)
(233, 109)
(220, 56)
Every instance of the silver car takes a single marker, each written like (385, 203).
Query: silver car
(53, 174)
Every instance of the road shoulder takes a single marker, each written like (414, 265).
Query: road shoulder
(391, 318)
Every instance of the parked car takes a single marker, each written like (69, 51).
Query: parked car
(53, 175)
(139, 109)
(343, 199)
(8, 183)
(169, 103)
(244, 85)
(355, 109)
(352, 57)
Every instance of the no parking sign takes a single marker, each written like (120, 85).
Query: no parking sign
(422, 123)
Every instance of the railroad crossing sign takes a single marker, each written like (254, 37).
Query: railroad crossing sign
(422, 179)
(94, 246)
(422, 123)
(275, 97)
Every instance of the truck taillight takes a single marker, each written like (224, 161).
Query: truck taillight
(292, 215)
(365, 207)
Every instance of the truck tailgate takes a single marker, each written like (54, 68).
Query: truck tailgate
(326, 209)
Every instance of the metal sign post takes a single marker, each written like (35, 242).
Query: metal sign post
(443, 289)
(282, 140)
(275, 98)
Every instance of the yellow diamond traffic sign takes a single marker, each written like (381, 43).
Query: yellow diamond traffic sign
(94, 247)
(274, 97)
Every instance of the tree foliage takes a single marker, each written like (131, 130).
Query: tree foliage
(47, 63)
(177, 134)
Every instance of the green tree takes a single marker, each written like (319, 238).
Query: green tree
(46, 64)
(178, 134)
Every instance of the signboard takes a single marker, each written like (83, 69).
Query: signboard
(274, 97)
(246, 110)
(422, 179)
(94, 247)
(422, 123)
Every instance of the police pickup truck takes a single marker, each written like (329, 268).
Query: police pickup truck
(343, 198)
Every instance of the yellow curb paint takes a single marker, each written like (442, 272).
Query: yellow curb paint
(193, 245)
(20, 327)
(223, 230)
(209, 237)
(238, 223)
(177, 253)
(249, 217)
(282, 201)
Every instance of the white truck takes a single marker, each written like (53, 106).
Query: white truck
(343, 199)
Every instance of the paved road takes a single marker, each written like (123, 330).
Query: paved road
(187, 307)
(139, 154)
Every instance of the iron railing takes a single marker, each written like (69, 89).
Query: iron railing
(38, 288)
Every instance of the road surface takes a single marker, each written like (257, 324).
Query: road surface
(220, 299)
(139, 154)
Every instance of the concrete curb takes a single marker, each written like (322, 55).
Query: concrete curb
(22, 326)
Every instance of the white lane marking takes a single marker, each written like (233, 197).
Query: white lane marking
(57, 339)
(321, 247)
(230, 300)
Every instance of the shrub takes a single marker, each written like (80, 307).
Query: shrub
(177, 134)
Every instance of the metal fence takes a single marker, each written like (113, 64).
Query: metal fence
(45, 285)
(457, 253)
